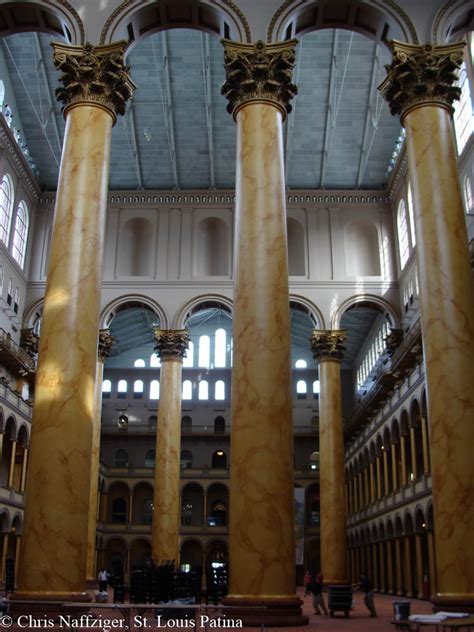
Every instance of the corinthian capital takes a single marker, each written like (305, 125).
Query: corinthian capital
(171, 344)
(328, 344)
(420, 75)
(259, 72)
(93, 74)
(106, 342)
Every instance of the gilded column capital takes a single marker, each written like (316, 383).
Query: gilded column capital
(259, 72)
(171, 344)
(93, 74)
(29, 341)
(328, 344)
(106, 342)
(420, 75)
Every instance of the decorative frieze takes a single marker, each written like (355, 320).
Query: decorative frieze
(106, 342)
(328, 344)
(93, 74)
(259, 72)
(171, 344)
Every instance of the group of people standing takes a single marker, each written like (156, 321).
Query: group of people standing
(314, 585)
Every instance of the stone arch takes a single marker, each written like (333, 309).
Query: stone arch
(453, 20)
(140, 552)
(57, 17)
(132, 300)
(394, 431)
(305, 305)
(31, 315)
(116, 550)
(361, 246)
(379, 22)
(133, 21)
(24, 435)
(142, 493)
(191, 552)
(11, 428)
(17, 524)
(200, 302)
(217, 551)
(192, 504)
(367, 300)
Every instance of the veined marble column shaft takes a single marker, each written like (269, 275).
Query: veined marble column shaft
(54, 545)
(420, 87)
(105, 345)
(261, 530)
(170, 346)
(328, 350)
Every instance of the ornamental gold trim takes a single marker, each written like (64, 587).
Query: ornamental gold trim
(421, 75)
(171, 344)
(328, 344)
(259, 73)
(93, 74)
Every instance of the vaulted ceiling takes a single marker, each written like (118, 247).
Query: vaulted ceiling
(177, 134)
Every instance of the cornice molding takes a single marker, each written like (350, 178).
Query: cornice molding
(8, 142)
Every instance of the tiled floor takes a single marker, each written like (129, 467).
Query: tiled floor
(358, 621)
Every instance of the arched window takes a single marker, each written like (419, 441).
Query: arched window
(20, 233)
(219, 392)
(106, 388)
(148, 508)
(150, 458)
(16, 300)
(122, 389)
(138, 388)
(186, 424)
(2, 93)
(468, 195)
(119, 511)
(6, 207)
(187, 389)
(219, 459)
(411, 216)
(463, 125)
(121, 458)
(186, 458)
(154, 389)
(10, 292)
(154, 360)
(316, 386)
(220, 348)
(402, 227)
(139, 363)
(203, 390)
(301, 364)
(204, 351)
(219, 424)
(1, 280)
(188, 359)
(301, 389)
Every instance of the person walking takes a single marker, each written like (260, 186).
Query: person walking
(103, 578)
(366, 586)
(317, 585)
(307, 583)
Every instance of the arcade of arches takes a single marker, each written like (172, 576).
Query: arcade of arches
(238, 336)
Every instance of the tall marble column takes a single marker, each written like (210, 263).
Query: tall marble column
(105, 345)
(419, 87)
(170, 346)
(328, 349)
(54, 545)
(261, 530)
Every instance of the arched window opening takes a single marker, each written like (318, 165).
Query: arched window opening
(1, 280)
(154, 389)
(138, 388)
(316, 387)
(186, 459)
(204, 351)
(121, 458)
(203, 392)
(187, 389)
(463, 124)
(16, 301)
(122, 389)
(188, 360)
(148, 508)
(220, 348)
(403, 244)
(468, 195)
(301, 389)
(6, 207)
(219, 390)
(411, 216)
(314, 461)
(106, 388)
(119, 511)
(219, 424)
(218, 515)
(150, 458)
(155, 360)
(301, 364)
(186, 424)
(219, 459)
(139, 363)
(10, 292)
(20, 234)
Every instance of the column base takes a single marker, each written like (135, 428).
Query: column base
(275, 611)
(453, 602)
(49, 605)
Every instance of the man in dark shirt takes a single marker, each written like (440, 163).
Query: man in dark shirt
(366, 586)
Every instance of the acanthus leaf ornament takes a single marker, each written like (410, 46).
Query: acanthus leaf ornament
(328, 344)
(171, 344)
